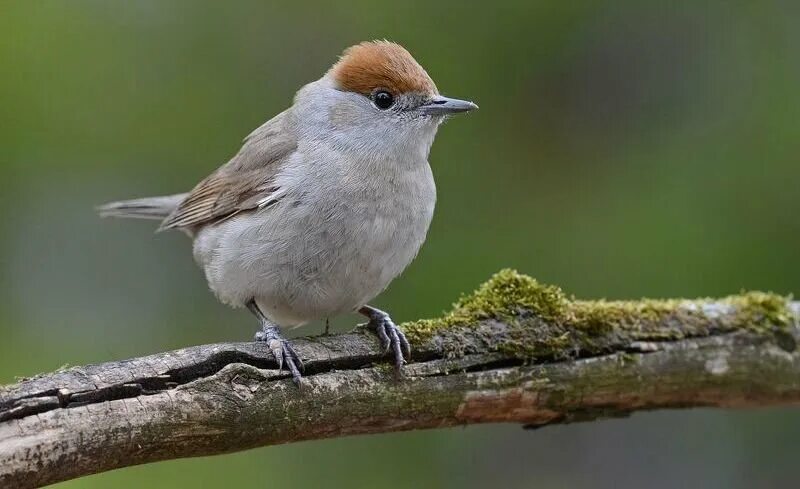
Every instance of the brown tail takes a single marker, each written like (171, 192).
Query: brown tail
(147, 208)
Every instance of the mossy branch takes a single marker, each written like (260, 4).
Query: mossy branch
(513, 351)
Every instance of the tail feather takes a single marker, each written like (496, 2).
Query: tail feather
(146, 208)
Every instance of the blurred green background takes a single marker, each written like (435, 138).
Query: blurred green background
(622, 149)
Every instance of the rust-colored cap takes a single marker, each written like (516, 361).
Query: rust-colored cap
(381, 64)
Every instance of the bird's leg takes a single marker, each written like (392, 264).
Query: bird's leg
(281, 349)
(327, 327)
(389, 335)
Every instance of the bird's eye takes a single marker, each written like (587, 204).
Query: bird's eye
(383, 99)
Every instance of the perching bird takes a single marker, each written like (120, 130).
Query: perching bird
(324, 204)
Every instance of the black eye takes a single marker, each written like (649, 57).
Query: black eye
(383, 99)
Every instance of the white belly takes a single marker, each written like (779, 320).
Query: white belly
(315, 256)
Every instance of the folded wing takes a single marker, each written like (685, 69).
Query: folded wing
(245, 183)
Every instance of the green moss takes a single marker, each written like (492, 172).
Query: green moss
(505, 295)
(540, 320)
(598, 317)
(762, 309)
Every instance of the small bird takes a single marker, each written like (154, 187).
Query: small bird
(324, 204)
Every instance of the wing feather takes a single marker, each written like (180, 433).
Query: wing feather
(246, 182)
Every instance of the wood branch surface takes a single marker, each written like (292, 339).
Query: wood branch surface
(227, 397)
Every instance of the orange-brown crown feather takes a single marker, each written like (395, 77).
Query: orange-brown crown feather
(381, 64)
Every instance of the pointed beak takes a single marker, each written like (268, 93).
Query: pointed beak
(440, 105)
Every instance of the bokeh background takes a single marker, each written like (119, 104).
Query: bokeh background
(622, 149)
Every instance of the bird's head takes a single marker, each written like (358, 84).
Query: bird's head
(377, 93)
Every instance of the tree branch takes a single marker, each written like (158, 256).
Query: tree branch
(514, 351)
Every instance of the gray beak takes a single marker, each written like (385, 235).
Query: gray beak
(440, 105)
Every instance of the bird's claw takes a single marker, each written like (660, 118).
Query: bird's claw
(391, 338)
(283, 352)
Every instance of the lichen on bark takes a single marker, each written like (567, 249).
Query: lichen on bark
(540, 320)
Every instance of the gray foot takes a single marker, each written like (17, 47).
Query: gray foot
(281, 349)
(390, 336)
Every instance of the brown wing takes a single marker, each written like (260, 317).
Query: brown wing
(244, 183)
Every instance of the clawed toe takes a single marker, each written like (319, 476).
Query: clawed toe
(281, 349)
(383, 336)
(390, 336)
(283, 352)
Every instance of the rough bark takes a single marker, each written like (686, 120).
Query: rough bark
(226, 397)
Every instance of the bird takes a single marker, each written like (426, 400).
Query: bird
(324, 204)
